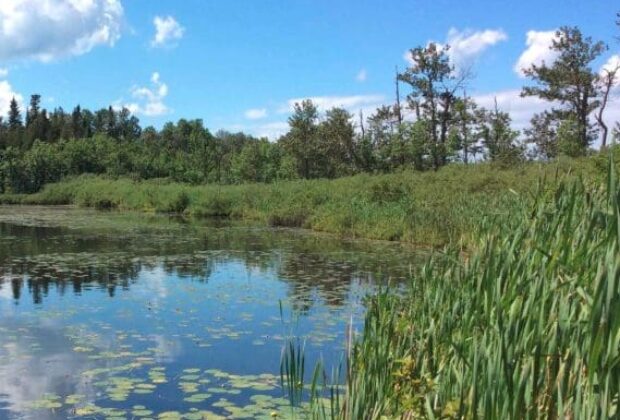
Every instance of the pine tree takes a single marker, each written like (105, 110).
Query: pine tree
(15, 116)
(33, 111)
(570, 81)
(77, 123)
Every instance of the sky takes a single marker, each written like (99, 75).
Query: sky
(241, 65)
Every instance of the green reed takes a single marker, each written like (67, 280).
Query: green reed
(526, 326)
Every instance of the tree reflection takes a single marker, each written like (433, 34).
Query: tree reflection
(40, 259)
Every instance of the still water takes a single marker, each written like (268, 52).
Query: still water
(107, 315)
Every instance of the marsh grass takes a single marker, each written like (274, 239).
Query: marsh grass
(431, 209)
(525, 326)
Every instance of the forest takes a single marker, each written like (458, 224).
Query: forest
(435, 124)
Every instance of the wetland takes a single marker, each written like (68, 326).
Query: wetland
(123, 315)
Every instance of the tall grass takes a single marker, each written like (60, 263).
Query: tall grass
(432, 208)
(526, 326)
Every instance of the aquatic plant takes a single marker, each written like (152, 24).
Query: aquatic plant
(525, 326)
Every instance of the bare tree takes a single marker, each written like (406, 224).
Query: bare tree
(607, 81)
(397, 109)
(362, 128)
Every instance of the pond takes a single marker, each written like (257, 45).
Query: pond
(122, 315)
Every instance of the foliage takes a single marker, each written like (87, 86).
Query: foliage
(569, 81)
(525, 326)
(433, 93)
(441, 125)
(430, 208)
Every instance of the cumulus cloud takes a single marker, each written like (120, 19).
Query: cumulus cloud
(49, 29)
(520, 109)
(613, 63)
(273, 130)
(150, 100)
(167, 31)
(26, 378)
(538, 51)
(256, 114)
(362, 76)
(467, 46)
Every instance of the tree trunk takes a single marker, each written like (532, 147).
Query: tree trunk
(608, 82)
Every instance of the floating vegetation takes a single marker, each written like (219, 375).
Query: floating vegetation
(118, 318)
(47, 402)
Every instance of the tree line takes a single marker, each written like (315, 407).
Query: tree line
(435, 124)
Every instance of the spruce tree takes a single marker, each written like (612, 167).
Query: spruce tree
(15, 116)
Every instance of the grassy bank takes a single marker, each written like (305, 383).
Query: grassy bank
(425, 208)
(527, 326)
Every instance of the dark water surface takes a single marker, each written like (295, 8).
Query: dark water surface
(107, 315)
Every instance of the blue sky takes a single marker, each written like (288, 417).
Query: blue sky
(239, 64)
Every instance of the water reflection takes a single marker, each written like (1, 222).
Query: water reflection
(42, 257)
(104, 312)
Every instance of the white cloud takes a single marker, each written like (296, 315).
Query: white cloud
(4, 72)
(538, 51)
(167, 31)
(270, 130)
(48, 29)
(150, 99)
(27, 378)
(256, 114)
(362, 76)
(520, 109)
(273, 130)
(350, 103)
(467, 46)
(6, 94)
(613, 63)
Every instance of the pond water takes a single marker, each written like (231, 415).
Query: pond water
(109, 315)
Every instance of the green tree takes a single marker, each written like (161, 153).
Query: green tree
(301, 140)
(497, 136)
(382, 130)
(336, 137)
(15, 124)
(37, 123)
(416, 138)
(543, 133)
(569, 81)
(128, 125)
(33, 111)
(4, 130)
(202, 149)
(59, 125)
(15, 116)
(466, 119)
(250, 164)
(569, 141)
(433, 86)
(77, 123)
